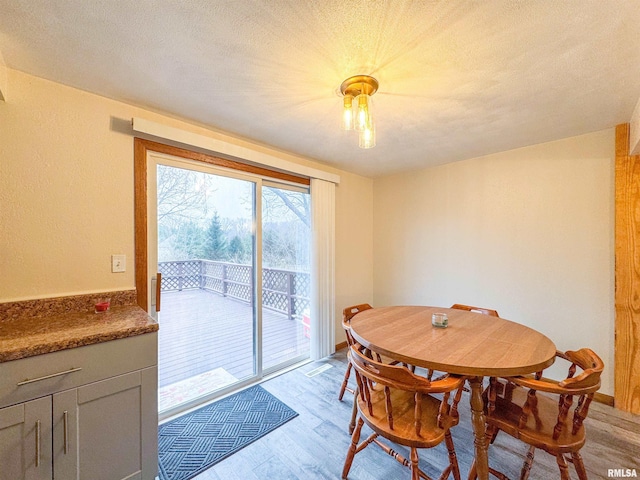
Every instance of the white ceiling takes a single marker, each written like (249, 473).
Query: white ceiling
(458, 78)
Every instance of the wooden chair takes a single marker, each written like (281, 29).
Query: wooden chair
(397, 405)
(469, 308)
(543, 413)
(347, 314)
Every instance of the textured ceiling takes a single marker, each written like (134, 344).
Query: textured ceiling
(458, 79)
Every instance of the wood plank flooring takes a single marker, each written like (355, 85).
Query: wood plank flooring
(201, 331)
(313, 445)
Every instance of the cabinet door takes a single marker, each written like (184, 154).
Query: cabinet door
(107, 425)
(25, 441)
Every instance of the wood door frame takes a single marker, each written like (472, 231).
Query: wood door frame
(140, 149)
(627, 275)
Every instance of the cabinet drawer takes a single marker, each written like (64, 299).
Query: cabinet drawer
(54, 372)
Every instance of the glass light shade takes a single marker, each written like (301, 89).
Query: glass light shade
(347, 113)
(367, 137)
(363, 112)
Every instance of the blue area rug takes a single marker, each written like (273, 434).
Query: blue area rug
(194, 442)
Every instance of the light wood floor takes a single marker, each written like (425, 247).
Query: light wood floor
(313, 445)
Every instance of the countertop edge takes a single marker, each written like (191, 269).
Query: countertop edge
(30, 336)
(34, 350)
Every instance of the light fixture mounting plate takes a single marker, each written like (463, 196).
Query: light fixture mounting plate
(358, 84)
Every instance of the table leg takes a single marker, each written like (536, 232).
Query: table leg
(479, 428)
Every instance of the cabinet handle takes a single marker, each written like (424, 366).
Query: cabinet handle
(37, 443)
(158, 290)
(31, 380)
(66, 431)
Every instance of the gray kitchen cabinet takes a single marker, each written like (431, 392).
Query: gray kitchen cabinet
(105, 429)
(25, 441)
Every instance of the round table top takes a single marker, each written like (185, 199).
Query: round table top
(472, 344)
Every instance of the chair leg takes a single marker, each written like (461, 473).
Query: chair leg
(579, 465)
(492, 433)
(415, 462)
(453, 458)
(564, 469)
(526, 468)
(352, 449)
(345, 381)
(354, 411)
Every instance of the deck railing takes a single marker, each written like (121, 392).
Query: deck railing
(284, 291)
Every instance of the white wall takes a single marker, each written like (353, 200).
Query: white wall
(66, 196)
(354, 245)
(529, 232)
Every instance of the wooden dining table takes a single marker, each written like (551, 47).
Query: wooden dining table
(473, 345)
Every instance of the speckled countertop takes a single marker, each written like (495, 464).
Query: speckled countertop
(26, 335)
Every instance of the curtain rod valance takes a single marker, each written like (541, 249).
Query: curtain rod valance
(227, 148)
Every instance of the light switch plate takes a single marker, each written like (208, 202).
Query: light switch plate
(118, 263)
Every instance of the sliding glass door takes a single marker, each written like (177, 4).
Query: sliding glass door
(233, 254)
(286, 277)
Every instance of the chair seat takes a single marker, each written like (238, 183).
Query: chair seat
(404, 430)
(538, 430)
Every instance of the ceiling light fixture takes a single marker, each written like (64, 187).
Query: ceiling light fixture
(356, 114)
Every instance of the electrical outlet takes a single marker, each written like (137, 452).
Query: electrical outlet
(118, 263)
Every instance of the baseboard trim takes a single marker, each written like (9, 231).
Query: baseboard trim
(604, 398)
(598, 397)
(341, 345)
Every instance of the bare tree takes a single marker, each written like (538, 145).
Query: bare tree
(182, 194)
(279, 202)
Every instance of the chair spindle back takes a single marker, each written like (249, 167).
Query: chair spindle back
(470, 308)
(583, 386)
(347, 314)
(370, 372)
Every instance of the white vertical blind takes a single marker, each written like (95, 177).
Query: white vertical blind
(323, 212)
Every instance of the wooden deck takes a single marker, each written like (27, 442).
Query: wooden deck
(202, 331)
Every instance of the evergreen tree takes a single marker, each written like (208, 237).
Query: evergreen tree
(236, 250)
(189, 241)
(215, 247)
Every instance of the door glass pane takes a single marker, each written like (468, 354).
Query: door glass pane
(206, 257)
(286, 279)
